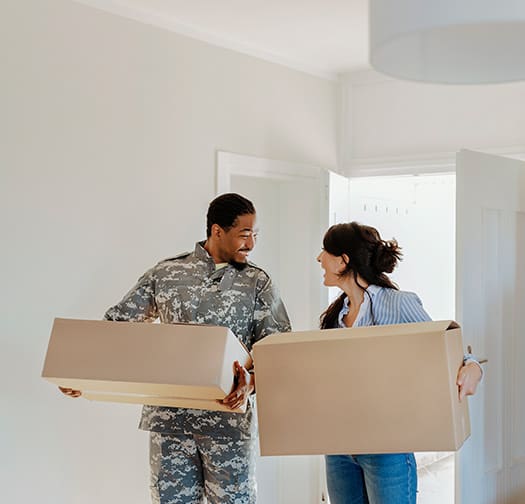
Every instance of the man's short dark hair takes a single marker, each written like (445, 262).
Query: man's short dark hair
(225, 209)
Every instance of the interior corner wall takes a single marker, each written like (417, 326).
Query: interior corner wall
(108, 135)
(398, 124)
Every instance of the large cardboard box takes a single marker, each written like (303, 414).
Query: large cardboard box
(185, 365)
(380, 389)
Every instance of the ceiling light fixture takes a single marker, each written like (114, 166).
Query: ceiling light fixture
(448, 41)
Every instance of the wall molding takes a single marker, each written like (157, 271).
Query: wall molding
(437, 162)
(230, 163)
(152, 18)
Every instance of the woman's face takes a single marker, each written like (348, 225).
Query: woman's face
(333, 266)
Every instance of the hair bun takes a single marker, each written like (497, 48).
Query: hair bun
(387, 255)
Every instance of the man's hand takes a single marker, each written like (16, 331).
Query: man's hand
(468, 378)
(245, 386)
(70, 392)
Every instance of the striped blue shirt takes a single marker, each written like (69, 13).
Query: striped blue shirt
(389, 306)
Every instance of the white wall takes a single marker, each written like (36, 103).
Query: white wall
(402, 126)
(108, 134)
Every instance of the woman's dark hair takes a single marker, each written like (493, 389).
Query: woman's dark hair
(225, 209)
(370, 257)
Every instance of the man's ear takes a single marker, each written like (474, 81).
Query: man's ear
(216, 231)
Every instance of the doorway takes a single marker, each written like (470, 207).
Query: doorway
(419, 212)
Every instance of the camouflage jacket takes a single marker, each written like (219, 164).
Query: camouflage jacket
(188, 288)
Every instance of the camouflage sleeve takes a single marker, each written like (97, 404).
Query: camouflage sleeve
(270, 314)
(138, 305)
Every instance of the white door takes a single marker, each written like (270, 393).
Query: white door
(491, 309)
(292, 215)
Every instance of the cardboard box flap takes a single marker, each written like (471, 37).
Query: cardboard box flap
(435, 326)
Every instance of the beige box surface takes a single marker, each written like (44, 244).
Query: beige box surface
(380, 389)
(185, 365)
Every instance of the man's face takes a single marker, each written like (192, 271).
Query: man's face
(235, 244)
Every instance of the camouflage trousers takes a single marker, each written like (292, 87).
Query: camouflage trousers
(194, 469)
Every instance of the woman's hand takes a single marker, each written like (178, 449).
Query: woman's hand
(245, 386)
(70, 392)
(469, 375)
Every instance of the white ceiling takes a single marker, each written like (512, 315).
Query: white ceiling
(323, 37)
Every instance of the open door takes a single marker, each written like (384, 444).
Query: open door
(490, 294)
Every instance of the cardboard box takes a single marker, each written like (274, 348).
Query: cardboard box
(380, 389)
(185, 365)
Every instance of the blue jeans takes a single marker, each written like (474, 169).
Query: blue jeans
(372, 479)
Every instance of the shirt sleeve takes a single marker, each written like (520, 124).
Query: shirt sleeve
(412, 309)
(138, 305)
(270, 314)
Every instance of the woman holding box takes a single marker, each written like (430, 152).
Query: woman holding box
(356, 259)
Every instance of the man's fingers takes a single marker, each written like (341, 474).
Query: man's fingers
(234, 401)
(70, 392)
(242, 379)
(236, 404)
(228, 399)
(241, 374)
(234, 397)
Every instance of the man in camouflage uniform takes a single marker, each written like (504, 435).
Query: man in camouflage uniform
(195, 453)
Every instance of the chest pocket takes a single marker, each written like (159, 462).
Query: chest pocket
(232, 307)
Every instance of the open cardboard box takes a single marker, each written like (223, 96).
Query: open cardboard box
(380, 389)
(184, 365)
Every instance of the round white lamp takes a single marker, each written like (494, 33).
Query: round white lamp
(448, 41)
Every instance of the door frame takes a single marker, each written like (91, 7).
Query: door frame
(230, 164)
